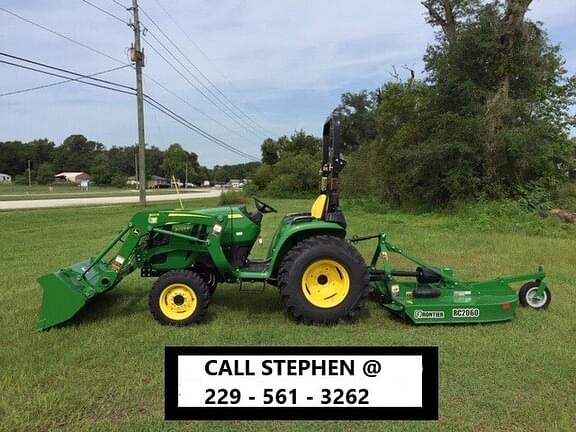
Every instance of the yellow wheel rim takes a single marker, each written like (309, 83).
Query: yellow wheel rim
(325, 283)
(178, 301)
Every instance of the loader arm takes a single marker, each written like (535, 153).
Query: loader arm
(68, 290)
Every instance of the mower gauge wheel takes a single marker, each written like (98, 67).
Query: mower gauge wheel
(527, 296)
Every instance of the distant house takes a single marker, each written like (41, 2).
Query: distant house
(236, 183)
(72, 177)
(5, 178)
(158, 182)
(206, 183)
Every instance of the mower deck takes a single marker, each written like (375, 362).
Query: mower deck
(467, 304)
(435, 296)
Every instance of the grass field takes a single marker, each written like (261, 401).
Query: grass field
(104, 370)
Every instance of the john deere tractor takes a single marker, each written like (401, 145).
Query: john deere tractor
(321, 277)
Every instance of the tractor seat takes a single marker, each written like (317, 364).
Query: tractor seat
(318, 210)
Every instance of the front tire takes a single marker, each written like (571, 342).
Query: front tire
(323, 279)
(179, 297)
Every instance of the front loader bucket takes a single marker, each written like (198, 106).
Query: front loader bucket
(65, 292)
(60, 300)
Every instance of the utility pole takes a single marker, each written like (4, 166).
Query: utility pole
(29, 175)
(186, 178)
(136, 164)
(137, 57)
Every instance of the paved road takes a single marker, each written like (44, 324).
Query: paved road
(70, 202)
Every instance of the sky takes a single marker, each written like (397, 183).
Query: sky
(283, 64)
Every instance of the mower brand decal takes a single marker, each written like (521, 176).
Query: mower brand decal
(420, 314)
(466, 313)
(153, 218)
(235, 216)
(239, 233)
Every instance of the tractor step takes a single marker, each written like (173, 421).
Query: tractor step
(256, 266)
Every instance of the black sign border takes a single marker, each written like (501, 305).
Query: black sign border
(428, 411)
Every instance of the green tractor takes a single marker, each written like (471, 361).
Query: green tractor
(320, 275)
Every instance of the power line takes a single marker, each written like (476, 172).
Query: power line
(251, 119)
(44, 65)
(177, 96)
(60, 35)
(167, 111)
(195, 86)
(121, 5)
(211, 61)
(104, 54)
(205, 77)
(187, 36)
(15, 92)
(242, 125)
(110, 14)
(149, 99)
(63, 76)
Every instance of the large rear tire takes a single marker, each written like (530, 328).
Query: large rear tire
(323, 279)
(179, 297)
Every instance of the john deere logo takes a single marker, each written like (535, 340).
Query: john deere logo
(420, 314)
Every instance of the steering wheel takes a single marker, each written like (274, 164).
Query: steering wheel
(262, 207)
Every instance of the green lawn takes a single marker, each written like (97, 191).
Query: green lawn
(104, 371)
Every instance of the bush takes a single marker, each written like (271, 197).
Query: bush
(564, 196)
(232, 197)
(534, 197)
(119, 181)
(263, 176)
(295, 175)
(21, 180)
(250, 190)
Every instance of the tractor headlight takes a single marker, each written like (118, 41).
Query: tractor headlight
(217, 229)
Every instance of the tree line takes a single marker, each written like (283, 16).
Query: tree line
(110, 166)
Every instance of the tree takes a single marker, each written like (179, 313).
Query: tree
(76, 153)
(501, 69)
(270, 152)
(491, 118)
(102, 171)
(356, 113)
(45, 173)
(174, 163)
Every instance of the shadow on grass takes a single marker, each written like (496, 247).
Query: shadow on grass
(251, 301)
(109, 305)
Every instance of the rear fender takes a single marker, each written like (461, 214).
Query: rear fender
(290, 234)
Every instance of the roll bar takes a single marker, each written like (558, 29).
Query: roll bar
(332, 164)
